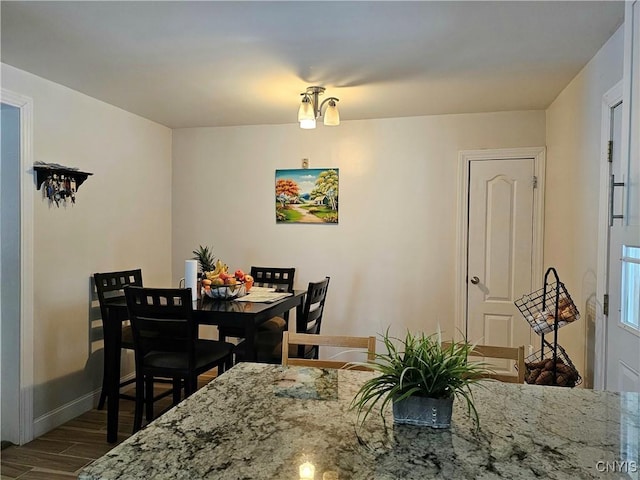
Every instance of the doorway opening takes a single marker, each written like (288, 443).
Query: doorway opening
(18, 386)
(9, 279)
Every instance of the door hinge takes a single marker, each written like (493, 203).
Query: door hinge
(605, 304)
(535, 182)
(610, 152)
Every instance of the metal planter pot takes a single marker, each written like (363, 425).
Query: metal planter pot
(423, 411)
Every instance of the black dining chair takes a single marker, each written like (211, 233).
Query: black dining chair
(271, 277)
(269, 343)
(110, 286)
(166, 343)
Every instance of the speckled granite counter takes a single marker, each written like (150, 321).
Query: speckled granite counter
(248, 425)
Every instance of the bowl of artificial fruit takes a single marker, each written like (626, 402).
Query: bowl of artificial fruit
(219, 284)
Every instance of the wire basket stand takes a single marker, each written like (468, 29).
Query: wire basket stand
(547, 310)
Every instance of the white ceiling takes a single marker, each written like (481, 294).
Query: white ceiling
(188, 64)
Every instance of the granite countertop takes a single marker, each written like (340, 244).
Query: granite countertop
(259, 421)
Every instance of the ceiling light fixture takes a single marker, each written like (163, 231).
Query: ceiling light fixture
(310, 109)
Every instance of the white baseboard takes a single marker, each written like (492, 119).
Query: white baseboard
(69, 411)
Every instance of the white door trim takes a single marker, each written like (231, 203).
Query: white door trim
(464, 160)
(25, 104)
(609, 100)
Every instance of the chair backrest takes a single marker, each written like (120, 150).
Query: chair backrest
(111, 285)
(310, 321)
(508, 353)
(290, 338)
(279, 278)
(161, 321)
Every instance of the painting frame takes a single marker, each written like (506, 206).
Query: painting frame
(307, 195)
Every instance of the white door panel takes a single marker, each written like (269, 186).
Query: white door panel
(500, 243)
(623, 329)
(623, 320)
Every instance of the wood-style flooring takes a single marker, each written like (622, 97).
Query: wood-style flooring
(61, 453)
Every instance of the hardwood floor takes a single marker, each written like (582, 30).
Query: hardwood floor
(61, 453)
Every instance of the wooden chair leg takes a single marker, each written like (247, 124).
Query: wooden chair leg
(189, 385)
(103, 396)
(137, 416)
(149, 397)
(177, 390)
(228, 363)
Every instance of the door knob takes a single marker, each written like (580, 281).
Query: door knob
(475, 280)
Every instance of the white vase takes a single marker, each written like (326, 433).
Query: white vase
(423, 411)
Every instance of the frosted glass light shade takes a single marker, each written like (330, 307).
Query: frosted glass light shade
(305, 112)
(331, 115)
(308, 124)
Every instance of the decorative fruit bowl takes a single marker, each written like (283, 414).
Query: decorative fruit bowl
(225, 292)
(221, 285)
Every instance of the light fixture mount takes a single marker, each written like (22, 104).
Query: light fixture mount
(311, 108)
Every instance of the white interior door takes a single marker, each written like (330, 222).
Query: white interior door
(500, 252)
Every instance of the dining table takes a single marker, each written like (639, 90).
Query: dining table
(260, 421)
(246, 315)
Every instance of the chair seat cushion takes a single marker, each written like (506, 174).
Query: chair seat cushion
(275, 324)
(207, 352)
(269, 348)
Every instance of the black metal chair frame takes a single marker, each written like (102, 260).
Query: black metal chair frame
(272, 277)
(111, 285)
(312, 313)
(165, 336)
(310, 321)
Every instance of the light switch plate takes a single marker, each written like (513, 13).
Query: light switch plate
(305, 163)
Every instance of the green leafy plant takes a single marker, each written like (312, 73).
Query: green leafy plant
(419, 365)
(205, 258)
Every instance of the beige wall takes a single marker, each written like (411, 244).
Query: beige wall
(122, 219)
(573, 169)
(391, 258)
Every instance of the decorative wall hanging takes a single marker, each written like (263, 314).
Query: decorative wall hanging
(60, 183)
(307, 195)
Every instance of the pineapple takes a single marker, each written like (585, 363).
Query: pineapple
(205, 258)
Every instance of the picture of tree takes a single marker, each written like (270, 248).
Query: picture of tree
(286, 191)
(307, 195)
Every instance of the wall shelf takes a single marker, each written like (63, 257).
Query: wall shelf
(60, 183)
(45, 171)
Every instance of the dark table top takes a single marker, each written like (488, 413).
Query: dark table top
(226, 308)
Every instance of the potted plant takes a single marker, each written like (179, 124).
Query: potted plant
(420, 377)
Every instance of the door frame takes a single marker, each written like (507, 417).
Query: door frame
(613, 97)
(26, 360)
(464, 162)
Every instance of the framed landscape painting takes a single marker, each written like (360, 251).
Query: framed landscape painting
(307, 195)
